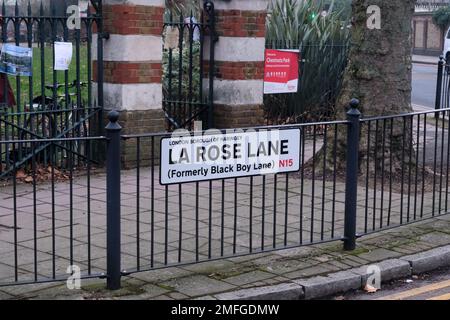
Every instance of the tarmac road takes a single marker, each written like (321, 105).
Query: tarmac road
(432, 286)
(424, 85)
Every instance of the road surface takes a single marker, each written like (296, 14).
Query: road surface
(433, 286)
(424, 85)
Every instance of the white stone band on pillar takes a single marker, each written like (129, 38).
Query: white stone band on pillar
(132, 97)
(243, 5)
(238, 92)
(130, 48)
(236, 49)
(154, 3)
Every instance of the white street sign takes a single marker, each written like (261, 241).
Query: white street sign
(221, 156)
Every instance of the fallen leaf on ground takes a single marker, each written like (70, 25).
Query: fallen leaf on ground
(21, 174)
(370, 289)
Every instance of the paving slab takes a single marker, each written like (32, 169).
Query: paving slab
(20, 290)
(317, 287)
(152, 291)
(379, 254)
(5, 296)
(438, 238)
(156, 276)
(309, 272)
(195, 286)
(249, 277)
(285, 291)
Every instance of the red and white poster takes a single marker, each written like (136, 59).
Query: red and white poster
(281, 71)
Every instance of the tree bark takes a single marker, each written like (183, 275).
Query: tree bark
(378, 73)
(379, 69)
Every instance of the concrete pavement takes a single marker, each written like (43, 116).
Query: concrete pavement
(431, 60)
(424, 79)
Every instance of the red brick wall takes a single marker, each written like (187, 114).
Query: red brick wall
(140, 122)
(124, 21)
(243, 70)
(226, 116)
(132, 19)
(236, 23)
(130, 72)
(243, 24)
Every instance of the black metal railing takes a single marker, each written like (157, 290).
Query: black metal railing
(188, 68)
(51, 104)
(405, 169)
(356, 177)
(50, 218)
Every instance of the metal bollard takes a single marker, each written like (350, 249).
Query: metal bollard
(113, 130)
(351, 187)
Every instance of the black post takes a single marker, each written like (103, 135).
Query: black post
(351, 187)
(209, 8)
(437, 105)
(113, 201)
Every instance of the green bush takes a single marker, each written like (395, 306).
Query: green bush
(190, 81)
(189, 62)
(323, 41)
(441, 17)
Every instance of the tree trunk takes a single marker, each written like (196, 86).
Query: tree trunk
(379, 69)
(379, 75)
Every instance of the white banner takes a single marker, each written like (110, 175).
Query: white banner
(63, 55)
(218, 156)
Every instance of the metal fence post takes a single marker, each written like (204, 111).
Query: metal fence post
(351, 187)
(437, 105)
(113, 130)
(209, 9)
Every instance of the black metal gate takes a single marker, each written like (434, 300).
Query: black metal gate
(187, 60)
(442, 100)
(51, 104)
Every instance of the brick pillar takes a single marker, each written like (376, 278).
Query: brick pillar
(132, 61)
(239, 63)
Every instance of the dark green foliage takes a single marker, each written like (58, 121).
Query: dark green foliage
(323, 41)
(441, 17)
(190, 81)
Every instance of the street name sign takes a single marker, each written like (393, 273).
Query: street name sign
(222, 156)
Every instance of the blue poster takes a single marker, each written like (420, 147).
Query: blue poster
(16, 61)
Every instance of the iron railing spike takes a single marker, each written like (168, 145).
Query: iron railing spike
(41, 9)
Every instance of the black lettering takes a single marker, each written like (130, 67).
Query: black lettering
(170, 157)
(284, 147)
(237, 151)
(226, 152)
